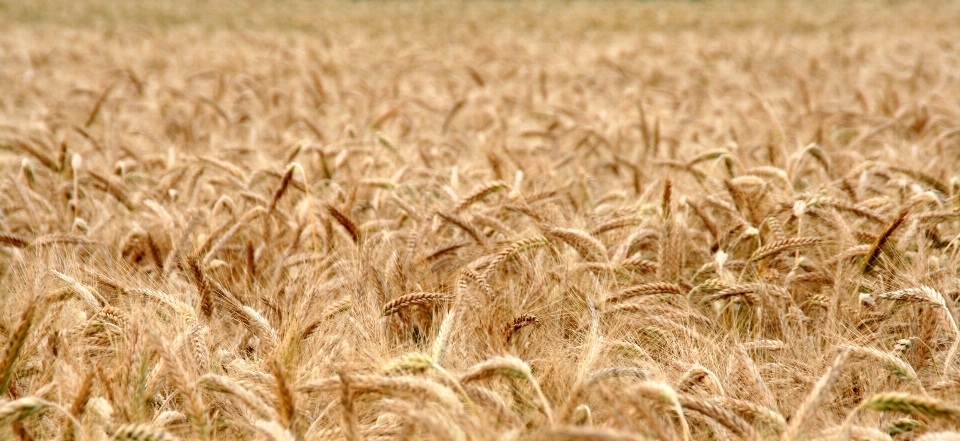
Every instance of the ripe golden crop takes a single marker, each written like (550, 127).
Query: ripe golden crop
(301, 220)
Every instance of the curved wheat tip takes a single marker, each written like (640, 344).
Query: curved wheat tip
(895, 365)
(514, 248)
(640, 264)
(914, 405)
(490, 399)
(581, 386)
(273, 430)
(478, 279)
(754, 413)
(901, 425)
(582, 416)
(506, 365)
(414, 387)
(757, 288)
(645, 289)
(708, 155)
(924, 294)
(17, 410)
(723, 416)
(775, 227)
(816, 397)
(511, 367)
(614, 224)
(878, 245)
(260, 325)
(478, 193)
(178, 306)
(337, 307)
(779, 246)
(416, 362)
(281, 188)
(663, 393)
(939, 436)
(416, 298)
(225, 385)
(696, 375)
(727, 207)
(13, 240)
(140, 432)
(691, 378)
(770, 174)
(945, 313)
(928, 295)
(514, 326)
(112, 315)
(413, 362)
(228, 167)
(79, 289)
(851, 253)
(168, 417)
(348, 225)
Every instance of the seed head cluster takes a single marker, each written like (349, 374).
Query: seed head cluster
(295, 220)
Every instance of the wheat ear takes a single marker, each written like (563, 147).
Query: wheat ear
(411, 299)
(511, 367)
(816, 397)
(15, 344)
(140, 432)
(478, 193)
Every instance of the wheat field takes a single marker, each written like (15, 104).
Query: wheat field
(313, 220)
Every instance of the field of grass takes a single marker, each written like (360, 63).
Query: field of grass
(313, 220)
